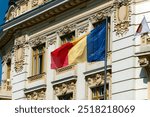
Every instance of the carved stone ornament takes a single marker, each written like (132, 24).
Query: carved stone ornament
(37, 41)
(145, 39)
(52, 39)
(36, 95)
(6, 57)
(63, 88)
(19, 52)
(83, 29)
(122, 16)
(97, 79)
(34, 3)
(144, 61)
(66, 29)
(97, 17)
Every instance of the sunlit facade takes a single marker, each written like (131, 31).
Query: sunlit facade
(35, 28)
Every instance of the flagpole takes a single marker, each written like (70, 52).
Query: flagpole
(105, 67)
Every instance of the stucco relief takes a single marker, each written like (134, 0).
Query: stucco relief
(37, 41)
(97, 79)
(83, 29)
(34, 3)
(6, 57)
(66, 29)
(64, 88)
(19, 52)
(22, 6)
(122, 16)
(36, 95)
(145, 39)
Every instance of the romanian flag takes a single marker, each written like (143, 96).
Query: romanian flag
(89, 47)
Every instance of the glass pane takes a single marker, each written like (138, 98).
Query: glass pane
(34, 66)
(40, 64)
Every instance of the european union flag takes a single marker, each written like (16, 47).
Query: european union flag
(96, 43)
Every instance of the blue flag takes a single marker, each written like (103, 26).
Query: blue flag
(96, 43)
(0, 69)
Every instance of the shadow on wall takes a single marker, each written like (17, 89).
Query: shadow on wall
(144, 76)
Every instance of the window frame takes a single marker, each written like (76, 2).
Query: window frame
(36, 66)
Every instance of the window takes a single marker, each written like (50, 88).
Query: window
(8, 68)
(38, 60)
(68, 37)
(98, 92)
(68, 96)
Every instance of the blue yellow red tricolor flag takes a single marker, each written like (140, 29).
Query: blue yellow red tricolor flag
(90, 47)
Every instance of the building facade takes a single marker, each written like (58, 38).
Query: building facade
(35, 28)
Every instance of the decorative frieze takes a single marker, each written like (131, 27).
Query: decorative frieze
(122, 16)
(65, 88)
(36, 95)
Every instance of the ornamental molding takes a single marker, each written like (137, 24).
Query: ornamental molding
(21, 6)
(7, 57)
(145, 39)
(64, 88)
(36, 95)
(98, 16)
(66, 29)
(37, 41)
(97, 79)
(83, 29)
(52, 39)
(19, 51)
(122, 16)
(35, 3)
(144, 61)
